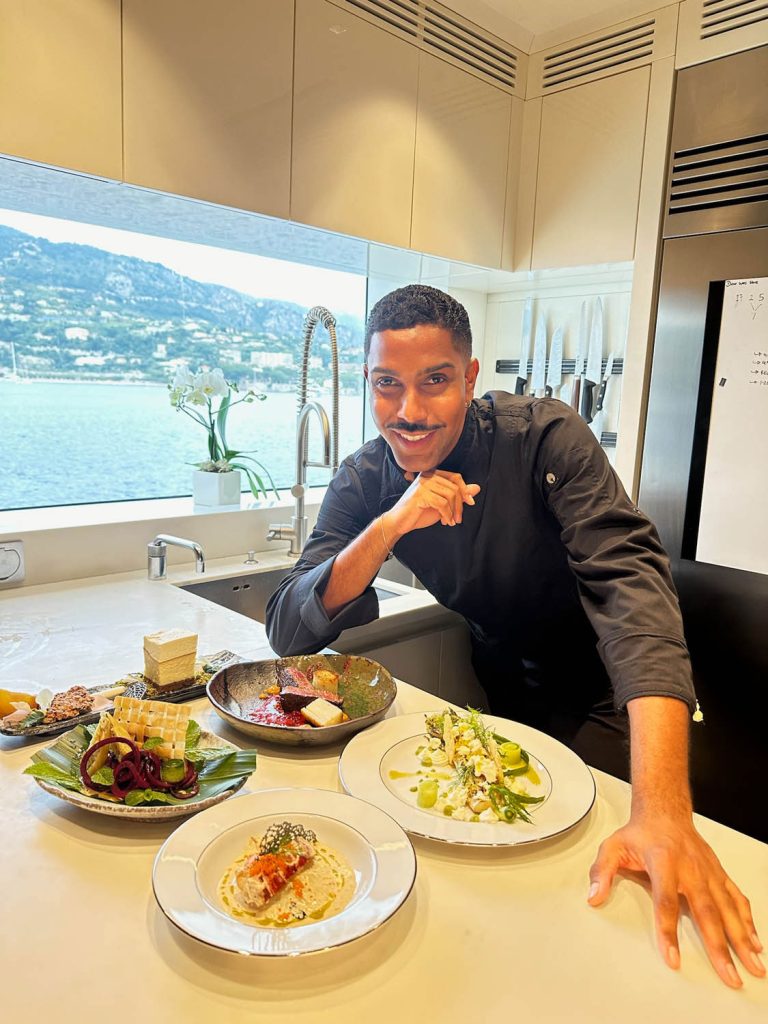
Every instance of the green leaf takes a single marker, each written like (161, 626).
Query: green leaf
(33, 718)
(52, 773)
(221, 420)
(151, 742)
(235, 764)
(192, 738)
(104, 776)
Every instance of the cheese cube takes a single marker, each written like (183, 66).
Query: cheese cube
(169, 656)
(321, 712)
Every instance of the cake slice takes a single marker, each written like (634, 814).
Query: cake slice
(169, 656)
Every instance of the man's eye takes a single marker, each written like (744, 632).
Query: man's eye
(436, 378)
(384, 382)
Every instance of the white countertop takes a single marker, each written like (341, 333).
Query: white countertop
(487, 935)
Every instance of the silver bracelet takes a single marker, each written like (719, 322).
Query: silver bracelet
(384, 537)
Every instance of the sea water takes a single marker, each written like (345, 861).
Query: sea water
(70, 443)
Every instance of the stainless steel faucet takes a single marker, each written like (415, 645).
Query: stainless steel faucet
(157, 555)
(297, 531)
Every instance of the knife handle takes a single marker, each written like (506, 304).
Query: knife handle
(576, 393)
(601, 395)
(520, 385)
(587, 394)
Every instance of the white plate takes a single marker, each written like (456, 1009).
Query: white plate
(146, 812)
(192, 862)
(370, 756)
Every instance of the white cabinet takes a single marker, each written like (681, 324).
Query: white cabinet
(60, 93)
(208, 100)
(589, 169)
(460, 174)
(354, 125)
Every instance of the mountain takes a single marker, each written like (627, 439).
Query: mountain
(77, 312)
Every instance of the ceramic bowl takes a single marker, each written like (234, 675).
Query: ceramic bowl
(367, 688)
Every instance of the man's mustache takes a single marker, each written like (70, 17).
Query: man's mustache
(413, 428)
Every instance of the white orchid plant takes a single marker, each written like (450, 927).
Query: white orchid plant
(207, 397)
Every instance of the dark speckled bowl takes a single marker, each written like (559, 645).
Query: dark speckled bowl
(367, 688)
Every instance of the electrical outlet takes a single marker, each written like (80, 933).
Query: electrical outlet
(11, 563)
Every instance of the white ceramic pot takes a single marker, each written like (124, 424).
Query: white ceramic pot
(216, 488)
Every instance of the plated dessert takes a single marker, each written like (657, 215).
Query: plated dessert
(287, 878)
(145, 754)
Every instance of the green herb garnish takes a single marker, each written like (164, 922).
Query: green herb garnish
(276, 836)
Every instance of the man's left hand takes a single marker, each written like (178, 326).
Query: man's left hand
(678, 863)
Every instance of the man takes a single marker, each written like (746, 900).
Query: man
(507, 510)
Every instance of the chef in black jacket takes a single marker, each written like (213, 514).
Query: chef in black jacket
(507, 510)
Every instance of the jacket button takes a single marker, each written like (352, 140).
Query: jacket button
(551, 478)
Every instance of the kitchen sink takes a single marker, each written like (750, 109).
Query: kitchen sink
(248, 594)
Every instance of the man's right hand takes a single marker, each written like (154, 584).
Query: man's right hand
(433, 497)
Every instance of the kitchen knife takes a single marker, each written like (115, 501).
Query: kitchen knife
(581, 348)
(525, 348)
(597, 422)
(594, 363)
(555, 368)
(539, 359)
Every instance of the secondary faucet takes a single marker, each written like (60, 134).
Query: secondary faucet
(157, 555)
(296, 532)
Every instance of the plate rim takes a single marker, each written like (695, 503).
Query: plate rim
(478, 844)
(405, 893)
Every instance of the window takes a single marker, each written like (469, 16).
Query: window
(93, 322)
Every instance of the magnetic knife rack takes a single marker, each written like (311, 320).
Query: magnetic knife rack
(608, 437)
(569, 366)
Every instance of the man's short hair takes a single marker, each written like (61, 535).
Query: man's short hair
(419, 304)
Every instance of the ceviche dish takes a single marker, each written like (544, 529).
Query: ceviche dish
(286, 878)
(469, 773)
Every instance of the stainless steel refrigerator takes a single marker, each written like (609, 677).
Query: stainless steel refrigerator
(715, 237)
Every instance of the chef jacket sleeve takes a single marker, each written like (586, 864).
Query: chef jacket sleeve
(622, 572)
(297, 622)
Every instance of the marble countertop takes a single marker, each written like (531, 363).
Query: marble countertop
(486, 934)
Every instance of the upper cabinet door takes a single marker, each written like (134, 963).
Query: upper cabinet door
(590, 164)
(354, 125)
(60, 94)
(208, 99)
(460, 179)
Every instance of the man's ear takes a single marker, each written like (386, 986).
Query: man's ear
(470, 377)
(365, 370)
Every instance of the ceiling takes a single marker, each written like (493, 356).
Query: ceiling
(538, 24)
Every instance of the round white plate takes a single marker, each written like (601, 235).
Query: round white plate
(566, 783)
(194, 859)
(147, 812)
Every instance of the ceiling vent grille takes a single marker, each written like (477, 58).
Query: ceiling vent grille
(725, 174)
(434, 28)
(721, 16)
(605, 54)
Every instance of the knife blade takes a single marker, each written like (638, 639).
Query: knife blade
(538, 374)
(525, 348)
(597, 422)
(581, 349)
(594, 363)
(555, 369)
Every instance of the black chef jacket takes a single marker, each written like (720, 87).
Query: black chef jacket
(552, 564)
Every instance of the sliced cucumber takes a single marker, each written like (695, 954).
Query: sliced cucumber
(173, 770)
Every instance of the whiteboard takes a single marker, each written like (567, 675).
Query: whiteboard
(733, 525)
